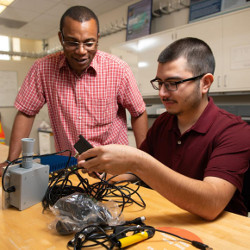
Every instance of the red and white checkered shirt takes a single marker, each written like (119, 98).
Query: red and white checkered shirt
(92, 104)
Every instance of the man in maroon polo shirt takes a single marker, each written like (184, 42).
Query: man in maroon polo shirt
(195, 154)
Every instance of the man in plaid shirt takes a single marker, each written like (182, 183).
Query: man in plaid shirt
(86, 90)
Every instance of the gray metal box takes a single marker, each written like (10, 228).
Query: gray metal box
(30, 184)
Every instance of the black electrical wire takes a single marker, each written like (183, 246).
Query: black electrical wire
(18, 160)
(120, 192)
(92, 236)
(9, 189)
(95, 235)
(194, 243)
(60, 185)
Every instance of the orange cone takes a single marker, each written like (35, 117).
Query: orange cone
(2, 135)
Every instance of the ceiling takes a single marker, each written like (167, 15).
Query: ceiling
(39, 19)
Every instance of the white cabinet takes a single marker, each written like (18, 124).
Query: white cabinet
(141, 55)
(149, 49)
(46, 142)
(236, 51)
(128, 52)
(228, 36)
(131, 139)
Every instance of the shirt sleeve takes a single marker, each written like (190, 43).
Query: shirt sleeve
(231, 155)
(145, 144)
(151, 142)
(30, 98)
(129, 95)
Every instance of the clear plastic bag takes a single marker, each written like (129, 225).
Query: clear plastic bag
(78, 210)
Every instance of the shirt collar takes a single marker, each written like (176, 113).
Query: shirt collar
(92, 69)
(207, 117)
(62, 61)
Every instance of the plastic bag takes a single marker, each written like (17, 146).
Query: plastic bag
(78, 210)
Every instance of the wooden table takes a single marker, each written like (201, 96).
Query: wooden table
(28, 229)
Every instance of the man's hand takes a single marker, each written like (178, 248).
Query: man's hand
(95, 175)
(112, 159)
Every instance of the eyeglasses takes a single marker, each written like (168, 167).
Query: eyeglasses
(72, 45)
(171, 86)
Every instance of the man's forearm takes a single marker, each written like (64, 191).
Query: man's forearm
(206, 198)
(140, 128)
(21, 129)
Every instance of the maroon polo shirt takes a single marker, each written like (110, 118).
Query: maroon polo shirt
(216, 145)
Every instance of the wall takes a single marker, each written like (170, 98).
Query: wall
(165, 22)
(21, 67)
(28, 45)
(118, 15)
(8, 113)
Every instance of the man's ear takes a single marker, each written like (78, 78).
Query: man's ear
(207, 81)
(98, 36)
(60, 37)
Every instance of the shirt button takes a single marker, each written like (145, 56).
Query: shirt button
(79, 117)
(179, 142)
(79, 98)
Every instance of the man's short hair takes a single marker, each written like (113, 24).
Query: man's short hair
(80, 14)
(199, 56)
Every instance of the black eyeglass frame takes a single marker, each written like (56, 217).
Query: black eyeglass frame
(76, 45)
(167, 84)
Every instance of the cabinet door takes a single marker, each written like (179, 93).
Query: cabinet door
(131, 139)
(236, 50)
(210, 31)
(128, 52)
(149, 49)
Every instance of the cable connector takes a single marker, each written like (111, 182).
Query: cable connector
(200, 245)
(11, 189)
(137, 221)
(79, 240)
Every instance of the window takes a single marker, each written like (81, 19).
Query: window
(4, 46)
(7, 44)
(16, 47)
